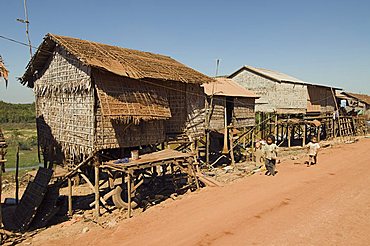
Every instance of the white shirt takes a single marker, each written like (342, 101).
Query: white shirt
(312, 148)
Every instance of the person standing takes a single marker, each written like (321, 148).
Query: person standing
(313, 148)
(270, 150)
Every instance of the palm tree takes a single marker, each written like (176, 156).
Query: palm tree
(3, 71)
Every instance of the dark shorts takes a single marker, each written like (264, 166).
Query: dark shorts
(312, 159)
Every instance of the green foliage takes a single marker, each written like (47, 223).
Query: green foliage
(17, 113)
(25, 137)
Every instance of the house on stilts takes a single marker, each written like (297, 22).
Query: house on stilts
(93, 97)
(287, 105)
(230, 111)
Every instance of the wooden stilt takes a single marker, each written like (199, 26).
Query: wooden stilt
(253, 138)
(17, 176)
(207, 146)
(194, 173)
(129, 208)
(244, 138)
(1, 186)
(231, 147)
(97, 195)
(276, 127)
(69, 196)
(289, 135)
(304, 135)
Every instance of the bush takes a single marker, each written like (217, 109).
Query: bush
(17, 113)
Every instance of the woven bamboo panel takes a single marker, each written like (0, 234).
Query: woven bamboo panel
(195, 105)
(244, 112)
(217, 113)
(129, 99)
(65, 106)
(117, 134)
(177, 101)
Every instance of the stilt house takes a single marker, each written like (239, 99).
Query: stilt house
(91, 97)
(284, 94)
(358, 104)
(226, 98)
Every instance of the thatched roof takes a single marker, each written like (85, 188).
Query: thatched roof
(121, 61)
(360, 97)
(3, 71)
(227, 87)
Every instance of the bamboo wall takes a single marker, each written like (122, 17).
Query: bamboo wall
(112, 133)
(244, 112)
(177, 101)
(217, 113)
(186, 103)
(195, 106)
(129, 112)
(242, 115)
(65, 106)
(72, 119)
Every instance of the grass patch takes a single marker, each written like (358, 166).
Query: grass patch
(23, 135)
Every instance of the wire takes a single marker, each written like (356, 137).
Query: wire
(155, 84)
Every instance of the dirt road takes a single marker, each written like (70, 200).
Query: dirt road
(326, 204)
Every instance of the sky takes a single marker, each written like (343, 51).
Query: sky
(323, 42)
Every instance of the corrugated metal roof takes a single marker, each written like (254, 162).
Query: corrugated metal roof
(277, 76)
(121, 61)
(361, 97)
(227, 87)
(281, 77)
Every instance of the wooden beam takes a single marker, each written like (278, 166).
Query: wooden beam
(96, 187)
(304, 135)
(17, 176)
(69, 196)
(129, 208)
(231, 147)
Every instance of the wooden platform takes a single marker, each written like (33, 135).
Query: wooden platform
(163, 156)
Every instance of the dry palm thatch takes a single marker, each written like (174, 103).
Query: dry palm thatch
(3, 71)
(120, 61)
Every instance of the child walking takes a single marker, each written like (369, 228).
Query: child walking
(269, 151)
(313, 148)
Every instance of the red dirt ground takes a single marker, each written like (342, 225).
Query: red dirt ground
(326, 204)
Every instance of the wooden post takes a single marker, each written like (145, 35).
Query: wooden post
(17, 176)
(304, 135)
(231, 147)
(96, 188)
(129, 195)
(276, 127)
(225, 149)
(289, 135)
(318, 133)
(253, 137)
(207, 146)
(1, 187)
(69, 196)
(193, 172)
(245, 137)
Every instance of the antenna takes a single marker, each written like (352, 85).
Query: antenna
(26, 21)
(217, 66)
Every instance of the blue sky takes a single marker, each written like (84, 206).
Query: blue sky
(324, 42)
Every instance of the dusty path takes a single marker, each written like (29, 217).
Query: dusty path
(327, 204)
